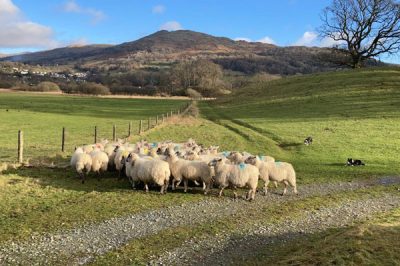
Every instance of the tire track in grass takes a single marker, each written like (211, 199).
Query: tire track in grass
(84, 243)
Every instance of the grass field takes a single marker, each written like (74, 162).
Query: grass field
(349, 114)
(42, 117)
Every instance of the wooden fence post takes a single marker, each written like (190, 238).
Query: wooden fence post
(129, 129)
(172, 112)
(157, 120)
(163, 117)
(63, 140)
(114, 132)
(20, 146)
(140, 127)
(149, 124)
(95, 134)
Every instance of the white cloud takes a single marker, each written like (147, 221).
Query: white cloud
(79, 42)
(267, 39)
(308, 39)
(7, 7)
(18, 32)
(171, 26)
(158, 9)
(242, 39)
(72, 7)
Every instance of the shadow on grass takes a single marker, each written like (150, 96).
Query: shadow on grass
(69, 180)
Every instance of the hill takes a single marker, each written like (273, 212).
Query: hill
(166, 48)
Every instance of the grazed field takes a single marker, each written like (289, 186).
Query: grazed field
(349, 114)
(42, 118)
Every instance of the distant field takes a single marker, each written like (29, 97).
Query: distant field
(42, 118)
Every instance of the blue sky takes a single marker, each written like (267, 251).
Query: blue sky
(44, 24)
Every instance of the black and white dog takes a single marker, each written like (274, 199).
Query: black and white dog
(351, 162)
(308, 141)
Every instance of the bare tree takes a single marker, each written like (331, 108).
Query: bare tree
(363, 28)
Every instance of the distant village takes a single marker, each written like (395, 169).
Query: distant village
(75, 76)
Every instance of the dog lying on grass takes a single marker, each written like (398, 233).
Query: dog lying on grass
(351, 162)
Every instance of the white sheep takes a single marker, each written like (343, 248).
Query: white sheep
(121, 152)
(275, 171)
(148, 171)
(238, 158)
(82, 162)
(185, 170)
(235, 176)
(99, 161)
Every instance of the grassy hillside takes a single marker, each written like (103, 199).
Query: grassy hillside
(349, 114)
(42, 118)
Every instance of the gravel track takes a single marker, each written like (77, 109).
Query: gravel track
(82, 244)
(226, 249)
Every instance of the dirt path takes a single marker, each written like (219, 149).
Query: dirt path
(82, 244)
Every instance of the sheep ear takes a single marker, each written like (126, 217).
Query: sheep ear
(220, 159)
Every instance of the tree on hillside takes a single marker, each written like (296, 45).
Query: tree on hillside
(201, 74)
(363, 29)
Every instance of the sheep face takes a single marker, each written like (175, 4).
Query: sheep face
(251, 160)
(215, 162)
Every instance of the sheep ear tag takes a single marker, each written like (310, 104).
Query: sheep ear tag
(242, 166)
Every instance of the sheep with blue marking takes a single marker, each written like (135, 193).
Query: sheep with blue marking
(235, 176)
(275, 171)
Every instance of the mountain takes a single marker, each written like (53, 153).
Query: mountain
(165, 48)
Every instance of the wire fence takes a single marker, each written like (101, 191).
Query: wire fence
(53, 144)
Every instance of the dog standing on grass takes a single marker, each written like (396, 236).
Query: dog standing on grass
(308, 141)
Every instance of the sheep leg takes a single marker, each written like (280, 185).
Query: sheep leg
(82, 176)
(204, 186)
(276, 184)
(133, 184)
(252, 193)
(185, 184)
(221, 191)
(207, 188)
(266, 187)
(165, 186)
(285, 189)
(162, 189)
(146, 187)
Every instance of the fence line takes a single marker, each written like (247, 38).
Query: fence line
(164, 118)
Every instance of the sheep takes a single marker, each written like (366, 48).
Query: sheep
(81, 161)
(99, 161)
(238, 158)
(88, 148)
(189, 170)
(148, 171)
(275, 171)
(235, 176)
(120, 152)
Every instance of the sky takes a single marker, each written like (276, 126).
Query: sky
(32, 25)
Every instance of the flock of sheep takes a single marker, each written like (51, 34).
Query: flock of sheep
(162, 162)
